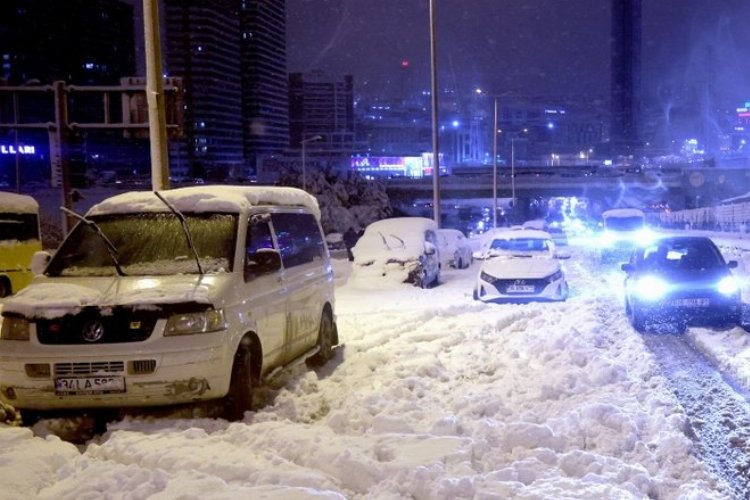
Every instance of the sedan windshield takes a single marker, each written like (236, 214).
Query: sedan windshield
(148, 244)
(520, 245)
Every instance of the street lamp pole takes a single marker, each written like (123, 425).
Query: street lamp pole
(303, 142)
(435, 144)
(494, 168)
(513, 175)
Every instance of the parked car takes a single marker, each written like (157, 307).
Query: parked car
(520, 265)
(681, 280)
(554, 229)
(454, 247)
(154, 299)
(402, 249)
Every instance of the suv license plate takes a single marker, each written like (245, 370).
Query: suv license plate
(81, 386)
(690, 302)
(520, 289)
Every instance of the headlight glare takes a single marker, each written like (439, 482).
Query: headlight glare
(211, 320)
(651, 288)
(728, 285)
(14, 328)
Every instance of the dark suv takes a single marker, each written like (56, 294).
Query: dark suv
(681, 280)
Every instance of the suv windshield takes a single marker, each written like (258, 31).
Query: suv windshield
(148, 244)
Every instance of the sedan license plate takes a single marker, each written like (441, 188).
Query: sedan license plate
(520, 289)
(690, 302)
(91, 385)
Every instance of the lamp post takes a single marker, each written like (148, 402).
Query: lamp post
(435, 143)
(304, 142)
(513, 171)
(494, 168)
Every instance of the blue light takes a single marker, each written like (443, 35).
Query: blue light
(651, 288)
(456, 124)
(550, 125)
(728, 285)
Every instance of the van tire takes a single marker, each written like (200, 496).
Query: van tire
(239, 399)
(325, 342)
(5, 289)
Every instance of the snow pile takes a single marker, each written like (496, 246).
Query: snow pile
(433, 395)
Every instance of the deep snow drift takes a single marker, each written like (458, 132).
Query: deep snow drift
(432, 395)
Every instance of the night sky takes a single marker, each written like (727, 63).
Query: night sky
(552, 47)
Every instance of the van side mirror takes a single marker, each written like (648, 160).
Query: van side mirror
(732, 264)
(263, 261)
(429, 248)
(39, 261)
(627, 267)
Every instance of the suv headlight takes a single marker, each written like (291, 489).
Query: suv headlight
(211, 320)
(14, 328)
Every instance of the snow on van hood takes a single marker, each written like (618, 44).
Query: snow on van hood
(18, 203)
(207, 199)
(49, 300)
(521, 267)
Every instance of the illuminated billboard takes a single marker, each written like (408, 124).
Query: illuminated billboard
(395, 166)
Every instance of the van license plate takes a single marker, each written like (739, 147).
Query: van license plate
(80, 386)
(520, 288)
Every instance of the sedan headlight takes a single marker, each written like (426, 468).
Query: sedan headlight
(14, 328)
(557, 276)
(728, 285)
(487, 277)
(651, 288)
(211, 320)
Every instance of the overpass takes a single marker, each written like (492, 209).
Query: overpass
(679, 186)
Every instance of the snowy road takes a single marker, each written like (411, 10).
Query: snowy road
(433, 395)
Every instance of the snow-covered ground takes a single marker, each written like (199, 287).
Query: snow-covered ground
(432, 395)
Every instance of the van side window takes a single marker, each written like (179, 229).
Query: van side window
(258, 239)
(430, 236)
(299, 238)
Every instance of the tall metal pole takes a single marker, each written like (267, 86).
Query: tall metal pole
(304, 169)
(513, 175)
(494, 168)
(435, 144)
(157, 121)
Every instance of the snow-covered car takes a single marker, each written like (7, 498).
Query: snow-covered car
(520, 265)
(624, 229)
(455, 250)
(155, 298)
(681, 280)
(402, 250)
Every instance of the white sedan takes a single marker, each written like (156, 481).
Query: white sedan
(520, 266)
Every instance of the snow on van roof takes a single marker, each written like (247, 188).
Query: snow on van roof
(216, 198)
(17, 203)
(622, 212)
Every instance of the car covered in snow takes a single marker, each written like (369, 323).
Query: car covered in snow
(455, 250)
(159, 298)
(520, 265)
(681, 280)
(400, 250)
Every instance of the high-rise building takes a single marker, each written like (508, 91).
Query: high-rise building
(626, 75)
(203, 48)
(265, 101)
(320, 105)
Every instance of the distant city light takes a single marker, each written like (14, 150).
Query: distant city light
(456, 124)
(6, 149)
(404, 64)
(550, 125)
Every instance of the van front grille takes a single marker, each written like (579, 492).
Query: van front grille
(90, 327)
(142, 366)
(65, 369)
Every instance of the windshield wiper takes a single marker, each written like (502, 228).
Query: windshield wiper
(111, 249)
(185, 229)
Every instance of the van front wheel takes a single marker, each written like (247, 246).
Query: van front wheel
(325, 342)
(239, 399)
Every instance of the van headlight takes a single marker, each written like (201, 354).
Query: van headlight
(14, 328)
(211, 320)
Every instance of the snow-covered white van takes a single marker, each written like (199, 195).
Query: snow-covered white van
(158, 298)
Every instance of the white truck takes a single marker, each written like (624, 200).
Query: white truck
(623, 230)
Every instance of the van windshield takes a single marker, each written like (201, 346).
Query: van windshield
(148, 244)
(18, 227)
(623, 223)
